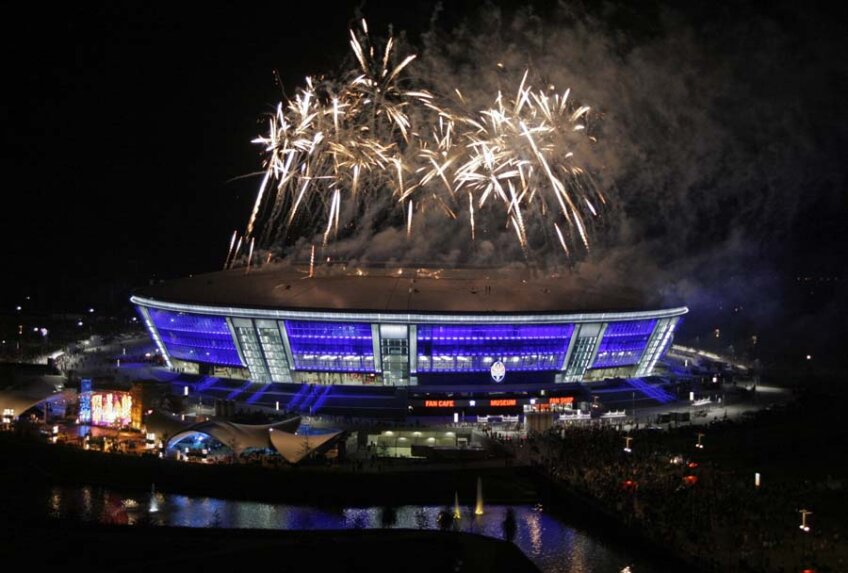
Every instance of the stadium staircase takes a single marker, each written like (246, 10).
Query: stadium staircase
(258, 394)
(298, 397)
(322, 397)
(206, 383)
(354, 401)
(240, 390)
(310, 398)
(653, 392)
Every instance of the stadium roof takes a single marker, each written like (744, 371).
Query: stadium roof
(241, 437)
(20, 393)
(405, 291)
(238, 437)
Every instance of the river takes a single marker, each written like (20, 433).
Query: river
(547, 539)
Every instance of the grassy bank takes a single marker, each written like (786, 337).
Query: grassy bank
(46, 464)
(74, 546)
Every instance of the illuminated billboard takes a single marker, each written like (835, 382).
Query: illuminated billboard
(438, 403)
(107, 409)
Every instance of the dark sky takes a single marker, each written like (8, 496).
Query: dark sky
(125, 125)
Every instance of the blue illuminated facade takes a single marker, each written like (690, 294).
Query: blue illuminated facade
(403, 349)
(331, 346)
(623, 343)
(195, 337)
(474, 348)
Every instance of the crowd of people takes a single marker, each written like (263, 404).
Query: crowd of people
(704, 506)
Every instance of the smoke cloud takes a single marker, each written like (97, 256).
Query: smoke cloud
(711, 142)
(714, 133)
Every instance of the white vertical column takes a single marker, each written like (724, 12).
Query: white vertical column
(375, 347)
(659, 339)
(154, 334)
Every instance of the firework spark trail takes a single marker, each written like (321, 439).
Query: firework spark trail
(250, 255)
(236, 251)
(561, 239)
(471, 215)
(230, 250)
(340, 146)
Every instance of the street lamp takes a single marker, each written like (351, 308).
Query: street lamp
(804, 513)
(627, 441)
(699, 445)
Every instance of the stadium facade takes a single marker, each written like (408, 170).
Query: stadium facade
(422, 330)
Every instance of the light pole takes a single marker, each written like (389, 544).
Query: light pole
(699, 445)
(633, 398)
(804, 513)
(627, 442)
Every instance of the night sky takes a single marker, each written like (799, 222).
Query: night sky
(127, 128)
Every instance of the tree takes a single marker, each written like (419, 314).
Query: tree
(215, 522)
(445, 519)
(388, 517)
(421, 518)
(509, 525)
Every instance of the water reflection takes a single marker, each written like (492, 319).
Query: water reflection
(554, 546)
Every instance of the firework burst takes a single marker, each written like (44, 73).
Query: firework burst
(339, 147)
(520, 153)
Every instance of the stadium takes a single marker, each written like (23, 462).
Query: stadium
(337, 339)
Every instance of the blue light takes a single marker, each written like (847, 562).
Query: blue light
(196, 337)
(623, 343)
(331, 346)
(670, 338)
(85, 401)
(474, 348)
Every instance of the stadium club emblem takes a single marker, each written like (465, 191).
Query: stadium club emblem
(498, 371)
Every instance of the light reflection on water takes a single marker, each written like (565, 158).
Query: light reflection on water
(551, 544)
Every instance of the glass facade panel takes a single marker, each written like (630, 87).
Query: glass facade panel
(473, 348)
(195, 337)
(275, 354)
(331, 346)
(251, 350)
(581, 354)
(658, 345)
(623, 343)
(395, 352)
